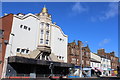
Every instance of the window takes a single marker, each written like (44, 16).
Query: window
(47, 24)
(47, 32)
(21, 26)
(47, 41)
(22, 50)
(18, 49)
(27, 51)
(42, 32)
(73, 60)
(25, 27)
(29, 29)
(59, 57)
(41, 40)
(42, 24)
(1, 33)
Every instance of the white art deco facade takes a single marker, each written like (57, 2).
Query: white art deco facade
(35, 36)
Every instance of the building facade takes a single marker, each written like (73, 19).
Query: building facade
(86, 56)
(106, 66)
(113, 60)
(95, 61)
(111, 56)
(32, 37)
(74, 53)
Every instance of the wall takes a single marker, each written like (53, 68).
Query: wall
(5, 24)
(23, 38)
(96, 57)
(59, 43)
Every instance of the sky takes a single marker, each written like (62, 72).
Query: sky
(93, 23)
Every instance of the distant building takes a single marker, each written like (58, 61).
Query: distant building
(111, 56)
(95, 64)
(105, 66)
(95, 61)
(86, 56)
(74, 53)
(30, 43)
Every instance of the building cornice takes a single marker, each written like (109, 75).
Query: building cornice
(27, 15)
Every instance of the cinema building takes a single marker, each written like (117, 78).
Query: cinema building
(30, 43)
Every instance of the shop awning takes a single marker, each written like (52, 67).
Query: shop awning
(96, 68)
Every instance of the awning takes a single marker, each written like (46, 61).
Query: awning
(96, 68)
(109, 69)
(18, 59)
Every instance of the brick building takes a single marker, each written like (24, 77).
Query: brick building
(74, 54)
(86, 56)
(111, 56)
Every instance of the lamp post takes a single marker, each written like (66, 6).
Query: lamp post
(51, 68)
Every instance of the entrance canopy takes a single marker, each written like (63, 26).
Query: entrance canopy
(17, 59)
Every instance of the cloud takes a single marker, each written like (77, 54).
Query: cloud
(103, 42)
(77, 8)
(110, 12)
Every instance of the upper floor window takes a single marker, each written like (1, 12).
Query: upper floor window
(29, 29)
(47, 24)
(25, 27)
(42, 23)
(42, 32)
(1, 33)
(41, 40)
(18, 49)
(23, 50)
(21, 26)
(47, 41)
(47, 32)
(27, 51)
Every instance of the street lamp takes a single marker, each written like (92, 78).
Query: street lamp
(51, 68)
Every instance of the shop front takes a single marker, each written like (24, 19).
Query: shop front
(20, 66)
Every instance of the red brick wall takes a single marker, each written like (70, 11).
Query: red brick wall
(6, 25)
